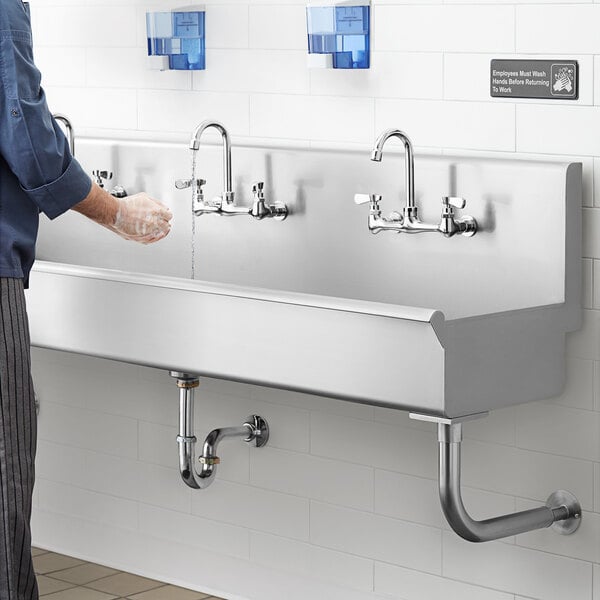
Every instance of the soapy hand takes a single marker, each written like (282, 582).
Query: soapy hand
(142, 219)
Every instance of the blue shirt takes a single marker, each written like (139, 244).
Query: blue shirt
(37, 171)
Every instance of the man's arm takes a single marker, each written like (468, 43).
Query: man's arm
(37, 152)
(138, 218)
(31, 142)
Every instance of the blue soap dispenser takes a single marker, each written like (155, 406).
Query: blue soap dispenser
(176, 39)
(339, 34)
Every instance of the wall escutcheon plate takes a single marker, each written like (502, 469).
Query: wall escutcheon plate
(261, 428)
(564, 498)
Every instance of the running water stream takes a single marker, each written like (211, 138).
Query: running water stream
(194, 161)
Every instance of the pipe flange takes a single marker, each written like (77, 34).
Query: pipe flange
(259, 430)
(470, 226)
(209, 460)
(564, 499)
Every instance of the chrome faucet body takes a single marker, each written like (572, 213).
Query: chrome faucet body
(69, 127)
(410, 209)
(225, 205)
(408, 221)
(227, 198)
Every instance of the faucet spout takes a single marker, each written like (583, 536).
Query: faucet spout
(69, 127)
(377, 154)
(195, 145)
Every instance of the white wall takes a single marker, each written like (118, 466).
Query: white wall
(343, 502)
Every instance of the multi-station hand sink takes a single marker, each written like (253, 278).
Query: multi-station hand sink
(443, 327)
(446, 327)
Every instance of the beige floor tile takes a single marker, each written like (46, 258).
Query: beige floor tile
(47, 585)
(49, 562)
(37, 551)
(124, 584)
(169, 592)
(84, 574)
(80, 593)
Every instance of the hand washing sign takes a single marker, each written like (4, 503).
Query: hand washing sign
(542, 79)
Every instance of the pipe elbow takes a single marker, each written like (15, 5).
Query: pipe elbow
(457, 517)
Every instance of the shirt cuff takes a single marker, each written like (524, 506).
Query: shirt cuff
(60, 195)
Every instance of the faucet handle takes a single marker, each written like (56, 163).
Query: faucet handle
(362, 198)
(258, 186)
(448, 201)
(182, 184)
(100, 176)
(374, 199)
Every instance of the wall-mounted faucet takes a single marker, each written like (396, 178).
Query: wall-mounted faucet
(225, 204)
(69, 127)
(118, 191)
(408, 221)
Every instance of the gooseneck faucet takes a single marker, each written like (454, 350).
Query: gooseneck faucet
(409, 161)
(70, 131)
(228, 194)
(408, 221)
(225, 204)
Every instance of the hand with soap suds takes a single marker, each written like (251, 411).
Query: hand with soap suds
(142, 219)
(139, 218)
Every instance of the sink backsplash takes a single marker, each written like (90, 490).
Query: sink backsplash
(324, 247)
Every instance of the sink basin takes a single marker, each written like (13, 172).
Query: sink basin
(447, 327)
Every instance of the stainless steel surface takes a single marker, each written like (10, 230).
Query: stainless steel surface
(70, 131)
(516, 261)
(560, 508)
(463, 326)
(447, 421)
(408, 221)
(254, 429)
(282, 339)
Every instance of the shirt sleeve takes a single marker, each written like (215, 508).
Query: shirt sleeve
(31, 142)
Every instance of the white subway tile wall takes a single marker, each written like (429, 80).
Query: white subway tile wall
(343, 502)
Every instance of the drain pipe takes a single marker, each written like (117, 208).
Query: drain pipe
(562, 510)
(254, 429)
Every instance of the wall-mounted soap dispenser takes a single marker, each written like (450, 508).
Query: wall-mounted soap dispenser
(339, 33)
(176, 39)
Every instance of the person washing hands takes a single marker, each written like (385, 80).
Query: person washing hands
(37, 174)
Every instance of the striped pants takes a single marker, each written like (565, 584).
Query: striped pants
(18, 430)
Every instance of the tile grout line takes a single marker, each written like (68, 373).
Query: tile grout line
(86, 586)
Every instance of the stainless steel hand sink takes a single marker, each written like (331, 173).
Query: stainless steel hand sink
(447, 327)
